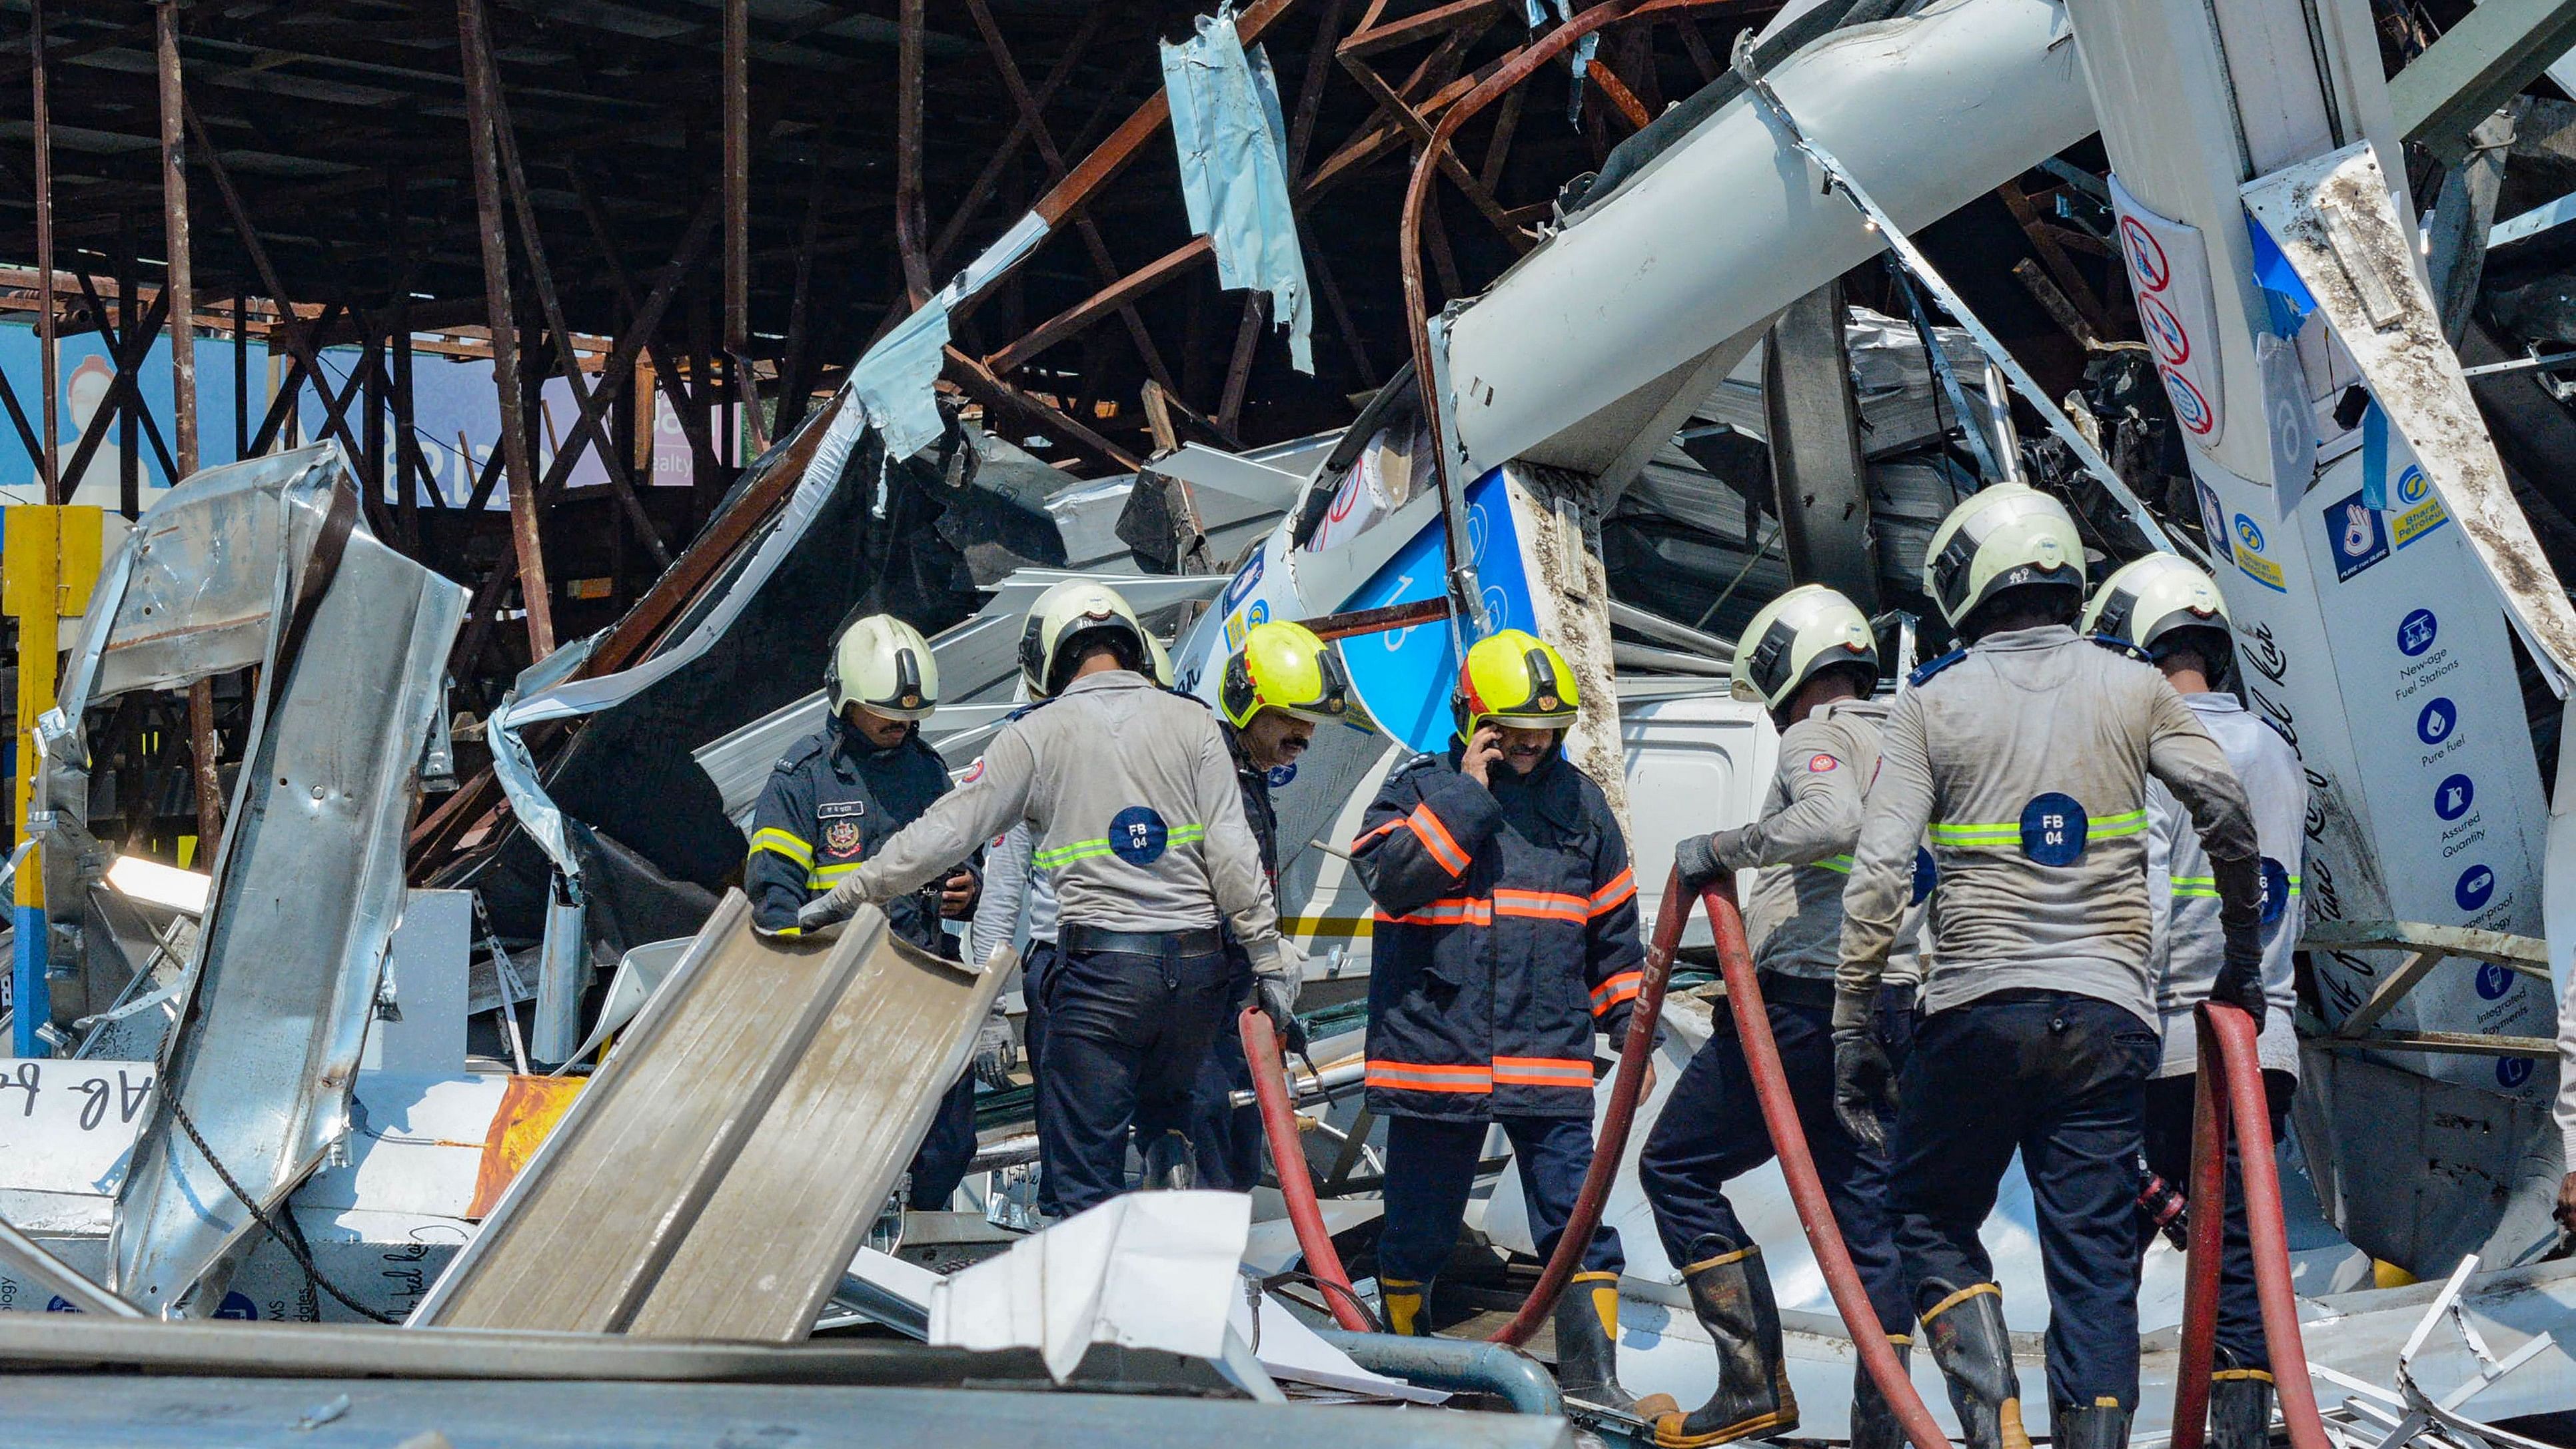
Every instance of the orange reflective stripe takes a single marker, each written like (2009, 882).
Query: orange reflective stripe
(1437, 839)
(1619, 988)
(1365, 838)
(1543, 1072)
(1424, 1077)
(1543, 905)
(1449, 911)
(1618, 891)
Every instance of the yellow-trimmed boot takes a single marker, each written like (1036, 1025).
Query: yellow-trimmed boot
(1731, 1294)
(1965, 1329)
(2102, 1424)
(1587, 1342)
(1873, 1421)
(1406, 1304)
(2240, 1409)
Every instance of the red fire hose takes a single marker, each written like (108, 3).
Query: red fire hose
(2230, 1096)
(1296, 1184)
(1789, 1140)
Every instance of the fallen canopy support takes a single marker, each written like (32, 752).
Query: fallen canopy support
(2230, 1097)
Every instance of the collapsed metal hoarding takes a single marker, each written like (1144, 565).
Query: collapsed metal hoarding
(263, 564)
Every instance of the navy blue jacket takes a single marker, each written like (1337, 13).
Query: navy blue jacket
(1505, 937)
(832, 800)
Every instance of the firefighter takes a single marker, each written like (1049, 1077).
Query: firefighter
(1810, 658)
(1505, 938)
(1130, 795)
(834, 800)
(2025, 755)
(1276, 689)
(2172, 611)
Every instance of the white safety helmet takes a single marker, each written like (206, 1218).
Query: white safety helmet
(1162, 661)
(883, 666)
(1807, 630)
(2003, 538)
(2152, 598)
(1065, 612)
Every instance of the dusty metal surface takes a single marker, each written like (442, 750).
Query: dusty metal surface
(722, 1167)
(309, 880)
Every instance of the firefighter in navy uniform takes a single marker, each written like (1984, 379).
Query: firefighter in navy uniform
(2173, 612)
(837, 796)
(1131, 798)
(1809, 657)
(1505, 939)
(1276, 690)
(2025, 756)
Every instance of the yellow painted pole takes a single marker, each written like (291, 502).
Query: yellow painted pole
(49, 559)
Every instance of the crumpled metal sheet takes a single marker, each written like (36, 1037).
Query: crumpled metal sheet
(1234, 171)
(309, 876)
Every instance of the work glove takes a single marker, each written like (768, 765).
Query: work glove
(1695, 856)
(819, 912)
(997, 1051)
(1864, 1079)
(2240, 969)
(1276, 995)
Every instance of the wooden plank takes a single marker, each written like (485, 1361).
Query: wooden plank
(2391, 990)
(2449, 1043)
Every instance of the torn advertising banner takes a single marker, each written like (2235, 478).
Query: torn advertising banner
(1234, 171)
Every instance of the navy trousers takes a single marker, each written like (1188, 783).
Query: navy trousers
(1125, 1035)
(940, 1164)
(1225, 1140)
(1711, 1132)
(1430, 1167)
(2240, 1312)
(2063, 1079)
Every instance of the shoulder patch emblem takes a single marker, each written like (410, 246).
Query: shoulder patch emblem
(1819, 764)
(841, 837)
(974, 772)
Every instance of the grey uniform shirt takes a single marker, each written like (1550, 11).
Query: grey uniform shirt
(2183, 892)
(1018, 903)
(2025, 761)
(1800, 847)
(1131, 796)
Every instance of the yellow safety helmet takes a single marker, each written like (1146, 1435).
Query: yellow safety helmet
(1515, 678)
(1798, 635)
(2002, 538)
(2152, 598)
(1283, 666)
(1162, 661)
(1068, 611)
(884, 666)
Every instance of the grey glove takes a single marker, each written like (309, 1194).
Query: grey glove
(1277, 996)
(2240, 914)
(817, 913)
(997, 1051)
(1864, 1086)
(1695, 856)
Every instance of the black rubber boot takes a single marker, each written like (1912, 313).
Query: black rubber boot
(1587, 1342)
(1873, 1423)
(1170, 1165)
(2104, 1425)
(1965, 1330)
(2240, 1409)
(1732, 1296)
(1406, 1305)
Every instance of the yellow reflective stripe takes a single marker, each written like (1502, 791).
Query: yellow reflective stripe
(1838, 864)
(1085, 849)
(2196, 885)
(771, 838)
(828, 875)
(1963, 834)
(2128, 824)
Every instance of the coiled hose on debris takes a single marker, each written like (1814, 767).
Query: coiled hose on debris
(2230, 1097)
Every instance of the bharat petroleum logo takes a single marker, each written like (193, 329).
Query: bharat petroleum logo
(2411, 486)
(2248, 534)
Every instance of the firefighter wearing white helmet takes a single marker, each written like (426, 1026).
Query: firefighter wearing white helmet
(2173, 612)
(833, 800)
(1811, 658)
(1505, 941)
(2024, 756)
(1130, 797)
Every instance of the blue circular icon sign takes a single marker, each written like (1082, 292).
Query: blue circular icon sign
(2453, 797)
(1138, 836)
(1279, 775)
(2434, 725)
(237, 1306)
(2052, 829)
(2493, 981)
(2476, 886)
(2415, 632)
(2248, 534)
(2512, 1071)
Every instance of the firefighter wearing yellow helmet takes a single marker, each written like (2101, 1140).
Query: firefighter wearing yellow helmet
(2173, 612)
(1129, 792)
(2025, 755)
(833, 800)
(1505, 940)
(1811, 659)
